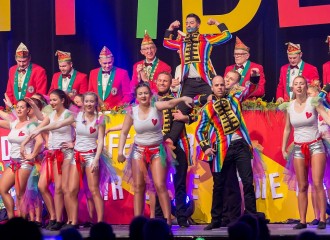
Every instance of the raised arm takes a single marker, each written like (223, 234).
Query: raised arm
(161, 105)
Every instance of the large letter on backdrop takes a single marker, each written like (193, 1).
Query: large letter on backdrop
(235, 20)
(291, 14)
(5, 15)
(147, 18)
(65, 17)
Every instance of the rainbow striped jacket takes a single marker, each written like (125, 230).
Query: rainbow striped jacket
(210, 130)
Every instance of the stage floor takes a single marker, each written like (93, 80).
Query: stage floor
(278, 231)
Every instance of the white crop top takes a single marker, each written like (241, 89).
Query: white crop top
(61, 135)
(17, 136)
(86, 134)
(148, 131)
(305, 124)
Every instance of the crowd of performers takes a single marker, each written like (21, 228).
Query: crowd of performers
(57, 140)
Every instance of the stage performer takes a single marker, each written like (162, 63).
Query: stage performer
(308, 156)
(295, 67)
(110, 83)
(148, 148)
(19, 170)
(57, 159)
(25, 78)
(68, 79)
(247, 68)
(181, 151)
(225, 142)
(88, 157)
(148, 69)
(197, 69)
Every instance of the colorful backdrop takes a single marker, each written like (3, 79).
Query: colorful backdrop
(83, 27)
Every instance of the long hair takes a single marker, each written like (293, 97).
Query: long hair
(61, 94)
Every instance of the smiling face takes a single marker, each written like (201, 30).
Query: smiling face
(56, 102)
(149, 51)
(143, 95)
(164, 82)
(90, 103)
(240, 56)
(21, 109)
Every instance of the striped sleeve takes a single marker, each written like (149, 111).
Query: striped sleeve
(202, 131)
(168, 41)
(223, 37)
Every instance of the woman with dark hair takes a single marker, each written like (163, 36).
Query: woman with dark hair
(57, 159)
(18, 172)
(309, 159)
(148, 148)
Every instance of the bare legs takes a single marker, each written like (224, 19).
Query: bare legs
(318, 166)
(6, 182)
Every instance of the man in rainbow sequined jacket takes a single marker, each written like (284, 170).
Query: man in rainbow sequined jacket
(225, 142)
(195, 50)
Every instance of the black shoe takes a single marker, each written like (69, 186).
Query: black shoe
(213, 225)
(300, 226)
(314, 222)
(183, 223)
(321, 225)
(50, 224)
(39, 224)
(224, 224)
(57, 226)
(88, 225)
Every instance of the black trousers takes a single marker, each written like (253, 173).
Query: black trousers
(226, 199)
(179, 181)
(191, 87)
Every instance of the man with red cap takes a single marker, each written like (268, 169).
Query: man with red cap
(247, 68)
(326, 67)
(295, 67)
(68, 79)
(110, 83)
(25, 78)
(148, 69)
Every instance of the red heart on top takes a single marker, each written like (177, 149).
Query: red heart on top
(154, 121)
(308, 114)
(92, 130)
(320, 118)
(21, 134)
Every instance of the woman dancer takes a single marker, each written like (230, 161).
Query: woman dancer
(20, 168)
(308, 152)
(57, 160)
(148, 150)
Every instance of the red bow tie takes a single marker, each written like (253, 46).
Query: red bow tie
(148, 64)
(21, 71)
(66, 76)
(238, 67)
(106, 72)
(293, 67)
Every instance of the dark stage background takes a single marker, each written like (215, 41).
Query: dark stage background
(113, 23)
